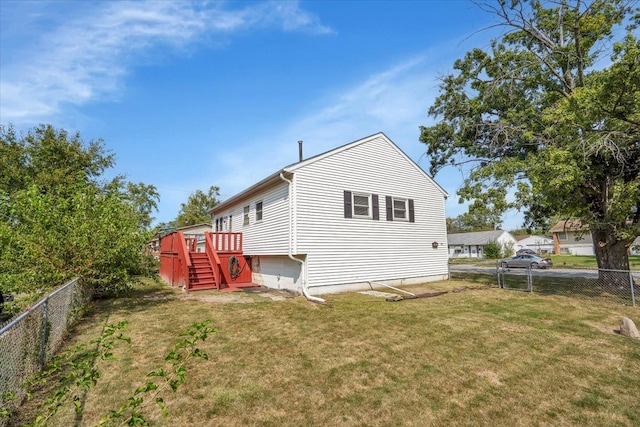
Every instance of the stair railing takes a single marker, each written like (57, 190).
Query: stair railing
(184, 258)
(212, 256)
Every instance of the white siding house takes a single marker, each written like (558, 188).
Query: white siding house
(363, 212)
(471, 245)
(571, 237)
(539, 244)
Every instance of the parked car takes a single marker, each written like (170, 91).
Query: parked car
(526, 261)
(525, 251)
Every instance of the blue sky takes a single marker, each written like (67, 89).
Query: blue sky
(193, 94)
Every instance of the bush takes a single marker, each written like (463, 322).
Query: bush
(492, 250)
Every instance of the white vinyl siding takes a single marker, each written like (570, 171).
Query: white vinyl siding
(341, 250)
(271, 235)
(340, 247)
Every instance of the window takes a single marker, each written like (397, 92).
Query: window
(399, 209)
(361, 205)
(245, 215)
(258, 211)
(562, 235)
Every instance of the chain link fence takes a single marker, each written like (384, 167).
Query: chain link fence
(616, 286)
(30, 339)
(620, 286)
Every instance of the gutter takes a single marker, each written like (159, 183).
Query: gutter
(303, 268)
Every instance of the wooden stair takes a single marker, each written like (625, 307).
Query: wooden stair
(201, 273)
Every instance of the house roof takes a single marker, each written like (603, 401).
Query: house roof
(287, 171)
(194, 226)
(536, 241)
(474, 238)
(163, 233)
(568, 225)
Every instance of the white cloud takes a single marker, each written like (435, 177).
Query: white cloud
(86, 53)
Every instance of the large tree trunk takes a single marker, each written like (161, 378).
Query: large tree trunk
(612, 258)
(611, 253)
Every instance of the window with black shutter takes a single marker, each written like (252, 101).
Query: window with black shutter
(399, 209)
(361, 205)
(412, 214)
(348, 210)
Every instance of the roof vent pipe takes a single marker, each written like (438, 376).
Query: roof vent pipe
(300, 150)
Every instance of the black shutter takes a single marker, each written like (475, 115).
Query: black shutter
(389, 203)
(412, 215)
(348, 211)
(375, 207)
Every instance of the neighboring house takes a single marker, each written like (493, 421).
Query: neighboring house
(572, 237)
(539, 244)
(471, 245)
(363, 212)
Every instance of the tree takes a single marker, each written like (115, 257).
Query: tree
(144, 200)
(59, 219)
(478, 218)
(196, 210)
(51, 159)
(551, 110)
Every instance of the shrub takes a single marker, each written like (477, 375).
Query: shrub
(492, 250)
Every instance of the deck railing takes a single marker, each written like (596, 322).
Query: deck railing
(213, 257)
(227, 241)
(222, 250)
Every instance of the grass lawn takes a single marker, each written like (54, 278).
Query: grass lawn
(479, 357)
(587, 261)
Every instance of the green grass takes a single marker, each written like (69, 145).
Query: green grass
(588, 261)
(478, 357)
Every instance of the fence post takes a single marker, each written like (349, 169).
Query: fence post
(43, 341)
(631, 282)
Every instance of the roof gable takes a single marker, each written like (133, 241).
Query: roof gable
(476, 237)
(292, 168)
(568, 225)
(380, 135)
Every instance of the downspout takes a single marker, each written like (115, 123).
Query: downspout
(303, 270)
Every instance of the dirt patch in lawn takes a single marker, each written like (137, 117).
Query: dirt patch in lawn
(247, 296)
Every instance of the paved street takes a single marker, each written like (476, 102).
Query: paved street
(490, 267)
